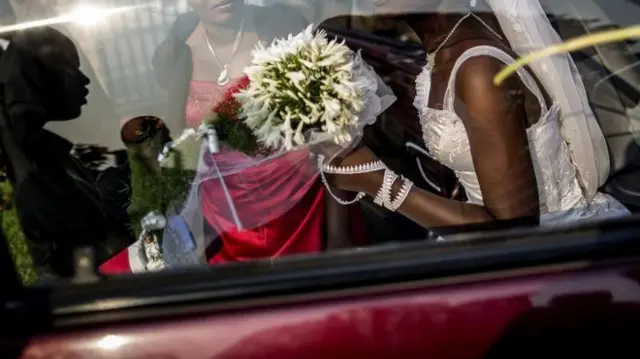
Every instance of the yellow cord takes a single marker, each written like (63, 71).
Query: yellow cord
(568, 46)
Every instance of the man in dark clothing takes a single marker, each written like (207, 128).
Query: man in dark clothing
(57, 200)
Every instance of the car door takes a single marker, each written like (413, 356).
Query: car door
(491, 296)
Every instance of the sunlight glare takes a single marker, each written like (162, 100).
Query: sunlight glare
(87, 15)
(111, 342)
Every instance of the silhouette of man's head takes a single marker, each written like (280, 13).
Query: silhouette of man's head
(64, 85)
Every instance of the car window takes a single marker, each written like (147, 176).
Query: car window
(146, 136)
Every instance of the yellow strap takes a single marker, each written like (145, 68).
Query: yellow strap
(568, 46)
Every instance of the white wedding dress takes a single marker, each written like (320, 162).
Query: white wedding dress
(561, 198)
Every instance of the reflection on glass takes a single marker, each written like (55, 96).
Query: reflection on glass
(111, 342)
(195, 149)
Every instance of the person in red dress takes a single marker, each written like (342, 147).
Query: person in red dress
(220, 45)
(204, 54)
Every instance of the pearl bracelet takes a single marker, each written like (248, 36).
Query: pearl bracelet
(351, 170)
(401, 196)
(383, 198)
(341, 201)
(384, 193)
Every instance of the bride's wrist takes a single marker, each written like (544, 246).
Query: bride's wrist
(368, 183)
(393, 191)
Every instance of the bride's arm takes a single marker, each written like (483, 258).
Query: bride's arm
(494, 119)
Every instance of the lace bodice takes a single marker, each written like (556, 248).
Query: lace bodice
(446, 140)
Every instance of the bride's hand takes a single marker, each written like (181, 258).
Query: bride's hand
(364, 182)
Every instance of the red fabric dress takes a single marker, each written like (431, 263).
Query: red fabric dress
(295, 230)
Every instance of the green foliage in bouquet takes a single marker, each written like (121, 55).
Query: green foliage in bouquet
(230, 128)
(235, 134)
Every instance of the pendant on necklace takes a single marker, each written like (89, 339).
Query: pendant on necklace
(223, 78)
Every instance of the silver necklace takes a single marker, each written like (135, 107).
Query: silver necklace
(431, 58)
(223, 78)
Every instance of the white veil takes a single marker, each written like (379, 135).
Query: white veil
(527, 28)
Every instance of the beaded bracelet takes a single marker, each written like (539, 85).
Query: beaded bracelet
(401, 196)
(383, 197)
(341, 201)
(385, 189)
(351, 170)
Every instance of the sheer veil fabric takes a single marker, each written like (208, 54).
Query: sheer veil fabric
(528, 29)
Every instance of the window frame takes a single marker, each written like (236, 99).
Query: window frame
(238, 285)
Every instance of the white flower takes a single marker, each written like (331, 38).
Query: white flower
(268, 134)
(298, 138)
(304, 82)
(331, 108)
(296, 77)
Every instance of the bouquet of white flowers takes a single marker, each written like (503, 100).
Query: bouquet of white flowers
(254, 164)
(308, 84)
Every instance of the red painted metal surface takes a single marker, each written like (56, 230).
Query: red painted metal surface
(447, 321)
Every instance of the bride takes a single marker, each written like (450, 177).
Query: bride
(527, 152)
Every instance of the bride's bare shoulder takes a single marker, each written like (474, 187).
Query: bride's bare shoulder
(475, 89)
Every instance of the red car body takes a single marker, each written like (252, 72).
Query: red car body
(570, 293)
(443, 321)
